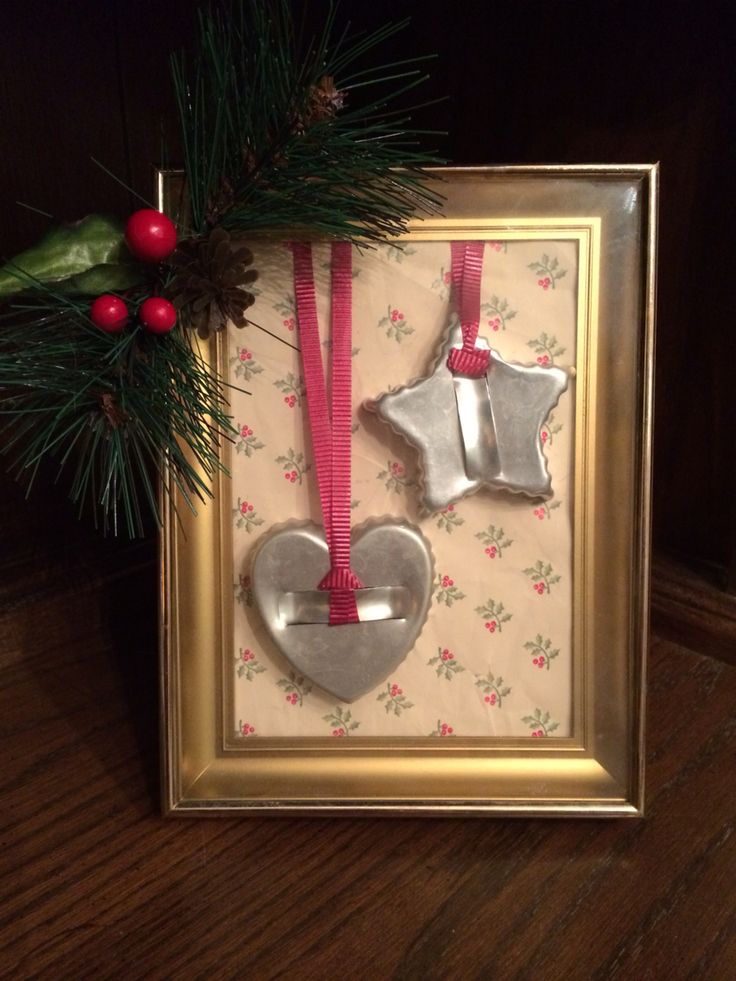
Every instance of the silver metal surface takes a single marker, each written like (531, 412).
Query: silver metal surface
(472, 433)
(373, 602)
(350, 660)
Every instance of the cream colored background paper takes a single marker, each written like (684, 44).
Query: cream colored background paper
(497, 672)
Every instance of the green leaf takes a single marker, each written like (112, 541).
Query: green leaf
(65, 252)
(107, 277)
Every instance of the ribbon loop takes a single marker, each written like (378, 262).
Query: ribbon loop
(467, 269)
(330, 419)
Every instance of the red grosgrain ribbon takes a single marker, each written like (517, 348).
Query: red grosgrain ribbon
(330, 420)
(467, 267)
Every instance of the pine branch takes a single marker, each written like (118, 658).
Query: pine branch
(268, 142)
(113, 410)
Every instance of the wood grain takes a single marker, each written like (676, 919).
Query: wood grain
(96, 884)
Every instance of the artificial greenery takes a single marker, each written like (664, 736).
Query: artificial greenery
(282, 129)
(115, 410)
(274, 136)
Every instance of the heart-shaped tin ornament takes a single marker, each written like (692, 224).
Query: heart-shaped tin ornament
(393, 561)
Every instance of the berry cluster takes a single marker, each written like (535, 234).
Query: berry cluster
(446, 730)
(246, 729)
(538, 732)
(447, 582)
(246, 431)
(395, 690)
(491, 626)
(292, 698)
(491, 699)
(290, 324)
(539, 587)
(396, 316)
(543, 359)
(496, 246)
(245, 355)
(545, 282)
(491, 551)
(248, 655)
(540, 661)
(495, 323)
(338, 732)
(245, 507)
(151, 237)
(290, 400)
(539, 512)
(291, 476)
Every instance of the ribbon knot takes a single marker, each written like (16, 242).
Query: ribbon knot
(339, 578)
(470, 361)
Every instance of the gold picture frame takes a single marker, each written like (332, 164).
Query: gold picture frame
(610, 213)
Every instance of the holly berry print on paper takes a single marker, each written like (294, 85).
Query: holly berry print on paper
(494, 614)
(545, 509)
(397, 253)
(246, 365)
(394, 699)
(498, 312)
(246, 729)
(449, 519)
(442, 729)
(342, 722)
(550, 429)
(243, 591)
(247, 442)
(442, 284)
(542, 651)
(494, 690)
(499, 246)
(395, 477)
(285, 307)
(540, 723)
(296, 687)
(246, 516)
(248, 664)
(294, 466)
(293, 388)
(543, 576)
(396, 324)
(445, 663)
(495, 541)
(548, 270)
(547, 349)
(446, 591)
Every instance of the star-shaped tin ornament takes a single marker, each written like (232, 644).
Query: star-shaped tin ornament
(476, 432)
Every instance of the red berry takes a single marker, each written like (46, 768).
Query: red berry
(449, 729)
(157, 315)
(150, 235)
(109, 313)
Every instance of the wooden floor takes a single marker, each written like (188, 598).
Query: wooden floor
(97, 885)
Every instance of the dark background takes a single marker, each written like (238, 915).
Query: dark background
(528, 82)
(96, 884)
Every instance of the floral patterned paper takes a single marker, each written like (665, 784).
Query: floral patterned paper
(494, 658)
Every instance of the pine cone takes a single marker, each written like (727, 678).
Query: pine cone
(208, 284)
